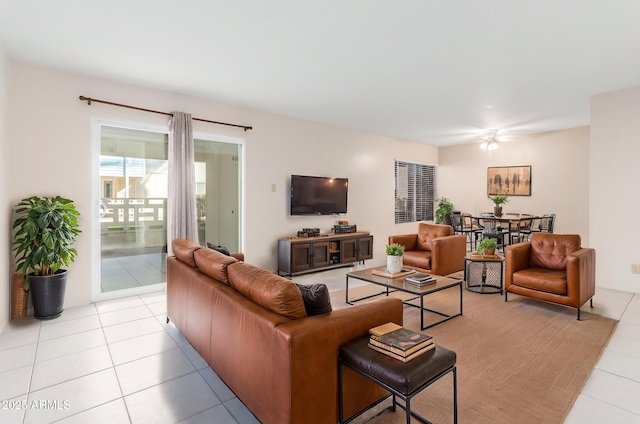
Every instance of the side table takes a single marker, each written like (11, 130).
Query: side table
(403, 380)
(484, 274)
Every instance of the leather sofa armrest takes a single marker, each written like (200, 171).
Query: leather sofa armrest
(409, 241)
(516, 259)
(306, 359)
(238, 256)
(581, 275)
(447, 254)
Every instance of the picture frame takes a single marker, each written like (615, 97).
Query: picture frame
(509, 180)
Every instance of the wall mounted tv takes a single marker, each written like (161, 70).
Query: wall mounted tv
(318, 195)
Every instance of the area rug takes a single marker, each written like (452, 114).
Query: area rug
(521, 361)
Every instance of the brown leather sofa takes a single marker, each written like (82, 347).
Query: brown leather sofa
(435, 249)
(551, 267)
(251, 327)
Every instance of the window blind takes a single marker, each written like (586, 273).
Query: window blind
(415, 192)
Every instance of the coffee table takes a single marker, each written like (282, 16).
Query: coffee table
(397, 284)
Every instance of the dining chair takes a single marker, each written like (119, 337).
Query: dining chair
(534, 226)
(521, 230)
(462, 223)
(546, 223)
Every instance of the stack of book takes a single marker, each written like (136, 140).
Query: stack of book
(399, 342)
(420, 279)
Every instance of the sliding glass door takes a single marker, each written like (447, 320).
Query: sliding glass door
(133, 182)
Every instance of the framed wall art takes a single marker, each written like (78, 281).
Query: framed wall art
(509, 180)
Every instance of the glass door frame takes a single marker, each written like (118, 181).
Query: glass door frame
(96, 125)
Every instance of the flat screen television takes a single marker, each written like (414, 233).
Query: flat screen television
(318, 195)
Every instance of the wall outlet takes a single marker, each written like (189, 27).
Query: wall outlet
(635, 268)
(273, 189)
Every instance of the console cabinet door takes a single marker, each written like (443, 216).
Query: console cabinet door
(348, 250)
(365, 248)
(300, 257)
(321, 254)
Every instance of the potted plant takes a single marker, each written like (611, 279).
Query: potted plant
(488, 246)
(443, 211)
(498, 200)
(45, 229)
(394, 257)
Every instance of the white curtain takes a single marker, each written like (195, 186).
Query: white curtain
(181, 204)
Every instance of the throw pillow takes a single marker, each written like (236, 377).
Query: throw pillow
(316, 298)
(220, 249)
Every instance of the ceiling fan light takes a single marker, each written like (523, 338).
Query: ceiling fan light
(489, 145)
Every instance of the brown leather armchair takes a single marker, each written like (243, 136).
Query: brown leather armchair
(435, 249)
(552, 267)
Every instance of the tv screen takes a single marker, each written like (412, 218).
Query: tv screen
(318, 195)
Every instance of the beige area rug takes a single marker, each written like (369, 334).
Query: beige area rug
(523, 361)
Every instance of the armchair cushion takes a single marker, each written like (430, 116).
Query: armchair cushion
(418, 258)
(550, 250)
(547, 280)
(428, 232)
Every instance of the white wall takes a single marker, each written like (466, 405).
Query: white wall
(559, 172)
(50, 130)
(614, 193)
(5, 207)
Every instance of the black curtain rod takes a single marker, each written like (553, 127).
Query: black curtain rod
(89, 100)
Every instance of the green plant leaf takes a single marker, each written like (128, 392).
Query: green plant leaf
(45, 229)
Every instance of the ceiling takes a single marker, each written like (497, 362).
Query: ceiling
(437, 72)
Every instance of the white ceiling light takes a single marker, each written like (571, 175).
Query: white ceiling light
(489, 141)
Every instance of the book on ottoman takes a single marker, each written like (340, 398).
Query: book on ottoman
(399, 342)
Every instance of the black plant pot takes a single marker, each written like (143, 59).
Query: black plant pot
(47, 294)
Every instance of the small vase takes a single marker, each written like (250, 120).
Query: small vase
(394, 264)
(497, 211)
(489, 252)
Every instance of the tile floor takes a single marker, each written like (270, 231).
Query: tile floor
(118, 361)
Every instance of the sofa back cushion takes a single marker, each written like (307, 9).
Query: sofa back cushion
(428, 232)
(214, 264)
(184, 249)
(550, 250)
(269, 290)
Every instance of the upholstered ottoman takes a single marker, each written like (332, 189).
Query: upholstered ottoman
(403, 380)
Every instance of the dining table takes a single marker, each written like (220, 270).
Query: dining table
(513, 223)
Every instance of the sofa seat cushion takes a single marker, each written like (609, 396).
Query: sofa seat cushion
(214, 264)
(184, 249)
(267, 289)
(542, 279)
(417, 258)
(316, 298)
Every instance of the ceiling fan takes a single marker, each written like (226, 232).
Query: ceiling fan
(488, 140)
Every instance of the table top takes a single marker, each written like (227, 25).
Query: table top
(398, 283)
(485, 258)
(508, 217)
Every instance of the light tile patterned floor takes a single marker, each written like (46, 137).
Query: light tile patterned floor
(118, 361)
